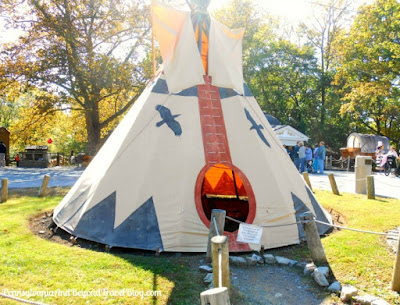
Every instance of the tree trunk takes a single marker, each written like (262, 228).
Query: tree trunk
(323, 97)
(93, 130)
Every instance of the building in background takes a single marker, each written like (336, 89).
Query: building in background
(5, 137)
(286, 133)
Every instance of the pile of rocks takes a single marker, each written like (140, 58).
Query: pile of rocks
(321, 275)
(351, 293)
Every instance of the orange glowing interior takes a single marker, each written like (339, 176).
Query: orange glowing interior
(223, 189)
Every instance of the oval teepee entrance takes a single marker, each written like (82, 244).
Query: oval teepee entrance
(225, 187)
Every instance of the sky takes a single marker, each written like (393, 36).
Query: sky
(292, 11)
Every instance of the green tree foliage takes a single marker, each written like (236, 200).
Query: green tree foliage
(286, 79)
(369, 69)
(260, 28)
(321, 32)
(86, 53)
(284, 83)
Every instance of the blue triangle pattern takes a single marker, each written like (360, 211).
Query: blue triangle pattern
(300, 208)
(98, 223)
(140, 230)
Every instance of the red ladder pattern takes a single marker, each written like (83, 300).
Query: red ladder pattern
(215, 140)
(216, 149)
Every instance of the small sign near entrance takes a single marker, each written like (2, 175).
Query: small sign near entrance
(249, 234)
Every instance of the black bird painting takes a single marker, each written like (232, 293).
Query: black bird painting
(257, 127)
(169, 119)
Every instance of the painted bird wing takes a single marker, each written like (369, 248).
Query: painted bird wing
(257, 127)
(250, 118)
(175, 127)
(158, 124)
(262, 137)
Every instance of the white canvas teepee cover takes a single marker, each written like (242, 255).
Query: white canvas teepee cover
(174, 157)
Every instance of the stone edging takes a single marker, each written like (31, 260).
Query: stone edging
(320, 275)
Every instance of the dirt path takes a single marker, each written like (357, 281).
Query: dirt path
(277, 285)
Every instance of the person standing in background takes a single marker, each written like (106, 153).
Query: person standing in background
(287, 151)
(17, 159)
(379, 153)
(3, 152)
(302, 156)
(320, 155)
(296, 159)
(309, 157)
(315, 162)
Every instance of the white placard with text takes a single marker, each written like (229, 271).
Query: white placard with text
(249, 233)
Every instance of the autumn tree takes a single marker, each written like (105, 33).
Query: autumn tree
(32, 119)
(369, 69)
(9, 102)
(86, 53)
(33, 126)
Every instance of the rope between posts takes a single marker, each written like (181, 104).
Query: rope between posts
(317, 221)
(351, 229)
(216, 227)
(274, 226)
(20, 300)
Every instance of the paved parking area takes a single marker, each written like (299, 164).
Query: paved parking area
(19, 177)
(385, 186)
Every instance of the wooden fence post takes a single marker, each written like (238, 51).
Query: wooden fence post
(348, 163)
(43, 188)
(330, 161)
(216, 296)
(396, 270)
(220, 247)
(4, 190)
(307, 180)
(317, 252)
(370, 187)
(333, 184)
(220, 221)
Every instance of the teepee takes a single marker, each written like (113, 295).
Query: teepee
(195, 140)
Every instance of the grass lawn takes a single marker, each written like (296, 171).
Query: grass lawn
(362, 260)
(28, 262)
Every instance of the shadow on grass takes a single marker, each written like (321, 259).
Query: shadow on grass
(34, 191)
(181, 269)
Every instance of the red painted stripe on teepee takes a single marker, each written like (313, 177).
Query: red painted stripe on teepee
(216, 151)
(215, 140)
